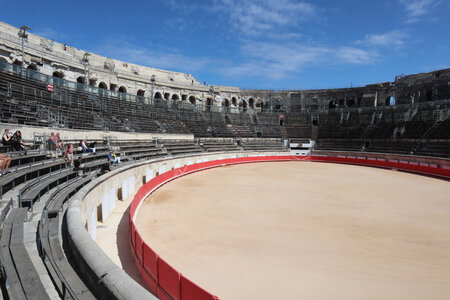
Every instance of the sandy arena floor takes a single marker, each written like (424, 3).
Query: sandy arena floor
(304, 231)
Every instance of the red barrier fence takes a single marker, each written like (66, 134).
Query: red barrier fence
(166, 282)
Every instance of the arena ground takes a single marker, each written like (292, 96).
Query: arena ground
(300, 230)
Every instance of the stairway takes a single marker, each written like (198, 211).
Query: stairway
(284, 133)
(315, 133)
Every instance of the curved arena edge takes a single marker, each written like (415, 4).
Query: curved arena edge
(108, 280)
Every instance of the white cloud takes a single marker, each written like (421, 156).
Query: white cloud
(165, 59)
(276, 62)
(394, 38)
(417, 8)
(355, 55)
(262, 17)
(49, 33)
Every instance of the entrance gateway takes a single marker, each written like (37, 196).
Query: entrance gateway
(301, 147)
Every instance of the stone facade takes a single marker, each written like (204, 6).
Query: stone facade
(64, 61)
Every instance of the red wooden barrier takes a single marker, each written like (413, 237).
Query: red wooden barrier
(190, 290)
(166, 282)
(138, 247)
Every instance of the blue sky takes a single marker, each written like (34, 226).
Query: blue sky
(269, 44)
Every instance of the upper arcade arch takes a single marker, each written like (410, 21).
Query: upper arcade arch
(389, 101)
(259, 104)
(251, 102)
(58, 74)
(192, 99)
(158, 95)
(242, 103)
(234, 101)
(175, 97)
(32, 66)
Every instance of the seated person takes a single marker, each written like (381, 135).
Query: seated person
(59, 142)
(85, 148)
(17, 142)
(6, 138)
(78, 165)
(113, 158)
(5, 161)
(105, 168)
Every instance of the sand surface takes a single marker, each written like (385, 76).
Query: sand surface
(300, 230)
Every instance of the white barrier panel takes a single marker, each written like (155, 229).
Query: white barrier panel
(198, 161)
(189, 163)
(124, 189)
(149, 175)
(112, 199)
(130, 186)
(105, 207)
(162, 169)
(176, 165)
(94, 224)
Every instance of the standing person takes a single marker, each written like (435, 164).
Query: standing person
(17, 142)
(52, 139)
(5, 161)
(78, 165)
(68, 154)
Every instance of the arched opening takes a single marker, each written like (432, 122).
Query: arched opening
(112, 87)
(251, 102)
(140, 93)
(208, 101)
(429, 95)
(102, 87)
(80, 80)
(92, 82)
(389, 101)
(341, 102)
(242, 104)
(167, 96)
(259, 104)
(192, 99)
(184, 97)
(332, 104)
(175, 97)
(158, 95)
(234, 101)
(17, 62)
(58, 74)
(122, 92)
(3, 59)
(351, 102)
(225, 102)
(32, 67)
